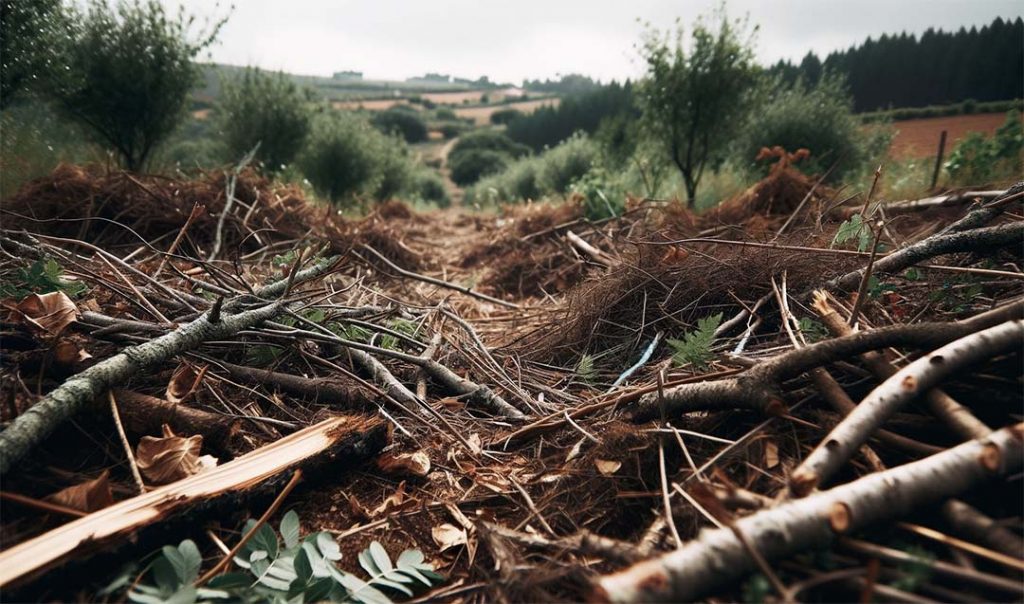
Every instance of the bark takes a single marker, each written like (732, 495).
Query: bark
(947, 242)
(853, 431)
(31, 427)
(972, 524)
(758, 388)
(337, 440)
(717, 556)
(144, 415)
(330, 391)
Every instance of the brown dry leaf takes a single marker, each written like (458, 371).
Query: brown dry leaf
(50, 312)
(88, 496)
(607, 467)
(474, 443)
(448, 535)
(67, 352)
(170, 458)
(395, 501)
(415, 464)
(771, 454)
(184, 382)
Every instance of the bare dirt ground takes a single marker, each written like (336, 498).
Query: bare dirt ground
(482, 115)
(616, 410)
(920, 137)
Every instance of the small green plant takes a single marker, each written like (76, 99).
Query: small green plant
(855, 228)
(42, 277)
(282, 567)
(585, 370)
(600, 199)
(977, 159)
(916, 571)
(695, 347)
(813, 330)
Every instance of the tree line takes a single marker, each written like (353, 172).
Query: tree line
(940, 67)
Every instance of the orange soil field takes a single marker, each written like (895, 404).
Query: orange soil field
(375, 105)
(920, 137)
(482, 115)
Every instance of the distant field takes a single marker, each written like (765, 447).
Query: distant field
(482, 115)
(375, 105)
(920, 137)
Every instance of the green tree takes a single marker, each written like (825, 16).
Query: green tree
(693, 99)
(406, 122)
(126, 72)
(268, 109)
(28, 32)
(340, 159)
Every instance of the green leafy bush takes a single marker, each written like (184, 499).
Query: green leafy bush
(428, 186)
(978, 160)
(470, 166)
(601, 198)
(340, 159)
(404, 122)
(818, 118)
(268, 109)
(451, 130)
(568, 162)
(489, 140)
(29, 35)
(695, 347)
(125, 73)
(394, 168)
(281, 568)
(505, 116)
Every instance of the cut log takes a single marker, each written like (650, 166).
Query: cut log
(717, 556)
(145, 415)
(345, 439)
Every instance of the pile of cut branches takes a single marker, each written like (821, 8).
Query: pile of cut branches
(820, 404)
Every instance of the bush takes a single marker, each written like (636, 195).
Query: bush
(29, 31)
(518, 182)
(406, 123)
(394, 168)
(126, 73)
(450, 131)
(444, 113)
(471, 165)
(490, 140)
(428, 186)
(566, 163)
(270, 110)
(601, 199)
(979, 160)
(505, 116)
(341, 157)
(819, 119)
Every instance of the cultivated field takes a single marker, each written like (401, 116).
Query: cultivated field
(482, 115)
(920, 137)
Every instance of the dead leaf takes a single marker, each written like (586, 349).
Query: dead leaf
(415, 464)
(448, 535)
(50, 312)
(394, 502)
(67, 352)
(88, 496)
(170, 458)
(607, 467)
(184, 381)
(771, 454)
(474, 443)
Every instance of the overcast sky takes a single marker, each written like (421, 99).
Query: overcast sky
(511, 40)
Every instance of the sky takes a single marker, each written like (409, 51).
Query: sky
(512, 40)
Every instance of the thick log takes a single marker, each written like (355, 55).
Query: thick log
(144, 415)
(340, 440)
(717, 556)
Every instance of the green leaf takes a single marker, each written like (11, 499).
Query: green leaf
(328, 546)
(165, 576)
(380, 557)
(695, 347)
(303, 567)
(290, 529)
(585, 368)
(192, 558)
(230, 581)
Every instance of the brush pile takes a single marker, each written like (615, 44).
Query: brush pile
(790, 398)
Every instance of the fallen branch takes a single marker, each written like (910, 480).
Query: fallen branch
(336, 437)
(330, 391)
(846, 438)
(717, 556)
(758, 388)
(144, 415)
(942, 243)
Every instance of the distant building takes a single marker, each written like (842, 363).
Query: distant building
(432, 78)
(348, 75)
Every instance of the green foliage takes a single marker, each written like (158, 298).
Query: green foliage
(451, 129)
(505, 116)
(814, 331)
(977, 159)
(582, 110)
(601, 199)
(519, 182)
(854, 228)
(472, 165)
(125, 72)
(428, 186)
(29, 31)
(695, 347)
(693, 100)
(916, 571)
(265, 109)
(43, 276)
(283, 567)
(394, 168)
(33, 140)
(408, 124)
(756, 589)
(568, 162)
(816, 117)
(490, 140)
(585, 370)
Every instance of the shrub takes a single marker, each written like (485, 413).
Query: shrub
(518, 182)
(566, 163)
(601, 199)
(341, 156)
(818, 118)
(490, 140)
(471, 165)
(406, 123)
(505, 116)
(394, 168)
(29, 31)
(270, 110)
(126, 74)
(451, 130)
(977, 159)
(444, 113)
(428, 186)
